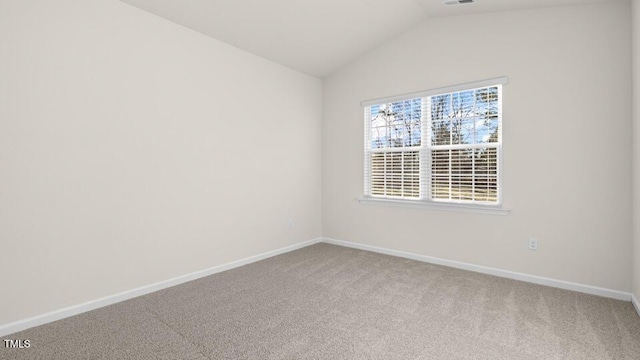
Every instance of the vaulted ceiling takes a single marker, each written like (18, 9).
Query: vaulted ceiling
(317, 37)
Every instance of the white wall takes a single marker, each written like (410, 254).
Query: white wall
(635, 19)
(133, 150)
(567, 142)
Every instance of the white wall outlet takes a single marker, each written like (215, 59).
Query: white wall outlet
(533, 243)
(290, 223)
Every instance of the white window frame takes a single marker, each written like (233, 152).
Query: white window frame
(424, 200)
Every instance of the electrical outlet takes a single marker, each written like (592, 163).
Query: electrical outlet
(533, 243)
(290, 223)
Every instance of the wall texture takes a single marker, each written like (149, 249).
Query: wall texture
(635, 20)
(133, 150)
(567, 142)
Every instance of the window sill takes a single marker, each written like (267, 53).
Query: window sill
(470, 208)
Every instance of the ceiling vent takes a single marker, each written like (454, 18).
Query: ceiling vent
(458, 2)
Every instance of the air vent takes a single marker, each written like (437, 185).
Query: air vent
(458, 2)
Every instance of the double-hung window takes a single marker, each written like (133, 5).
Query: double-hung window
(441, 146)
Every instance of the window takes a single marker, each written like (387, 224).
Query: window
(437, 146)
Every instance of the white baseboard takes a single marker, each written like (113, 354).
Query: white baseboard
(588, 289)
(20, 325)
(42, 319)
(636, 303)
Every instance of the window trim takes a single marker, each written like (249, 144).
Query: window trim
(447, 205)
(436, 205)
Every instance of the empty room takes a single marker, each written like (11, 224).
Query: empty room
(306, 179)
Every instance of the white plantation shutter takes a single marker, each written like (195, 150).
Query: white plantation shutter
(395, 173)
(442, 146)
(464, 174)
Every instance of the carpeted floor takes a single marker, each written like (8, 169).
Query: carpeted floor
(331, 302)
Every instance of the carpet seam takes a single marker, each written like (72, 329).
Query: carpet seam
(198, 348)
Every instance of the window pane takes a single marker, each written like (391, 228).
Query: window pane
(466, 117)
(467, 130)
(487, 130)
(397, 124)
(487, 95)
(441, 107)
(440, 132)
(487, 115)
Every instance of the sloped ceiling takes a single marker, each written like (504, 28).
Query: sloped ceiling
(317, 37)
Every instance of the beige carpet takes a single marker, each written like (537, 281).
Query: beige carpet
(331, 302)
